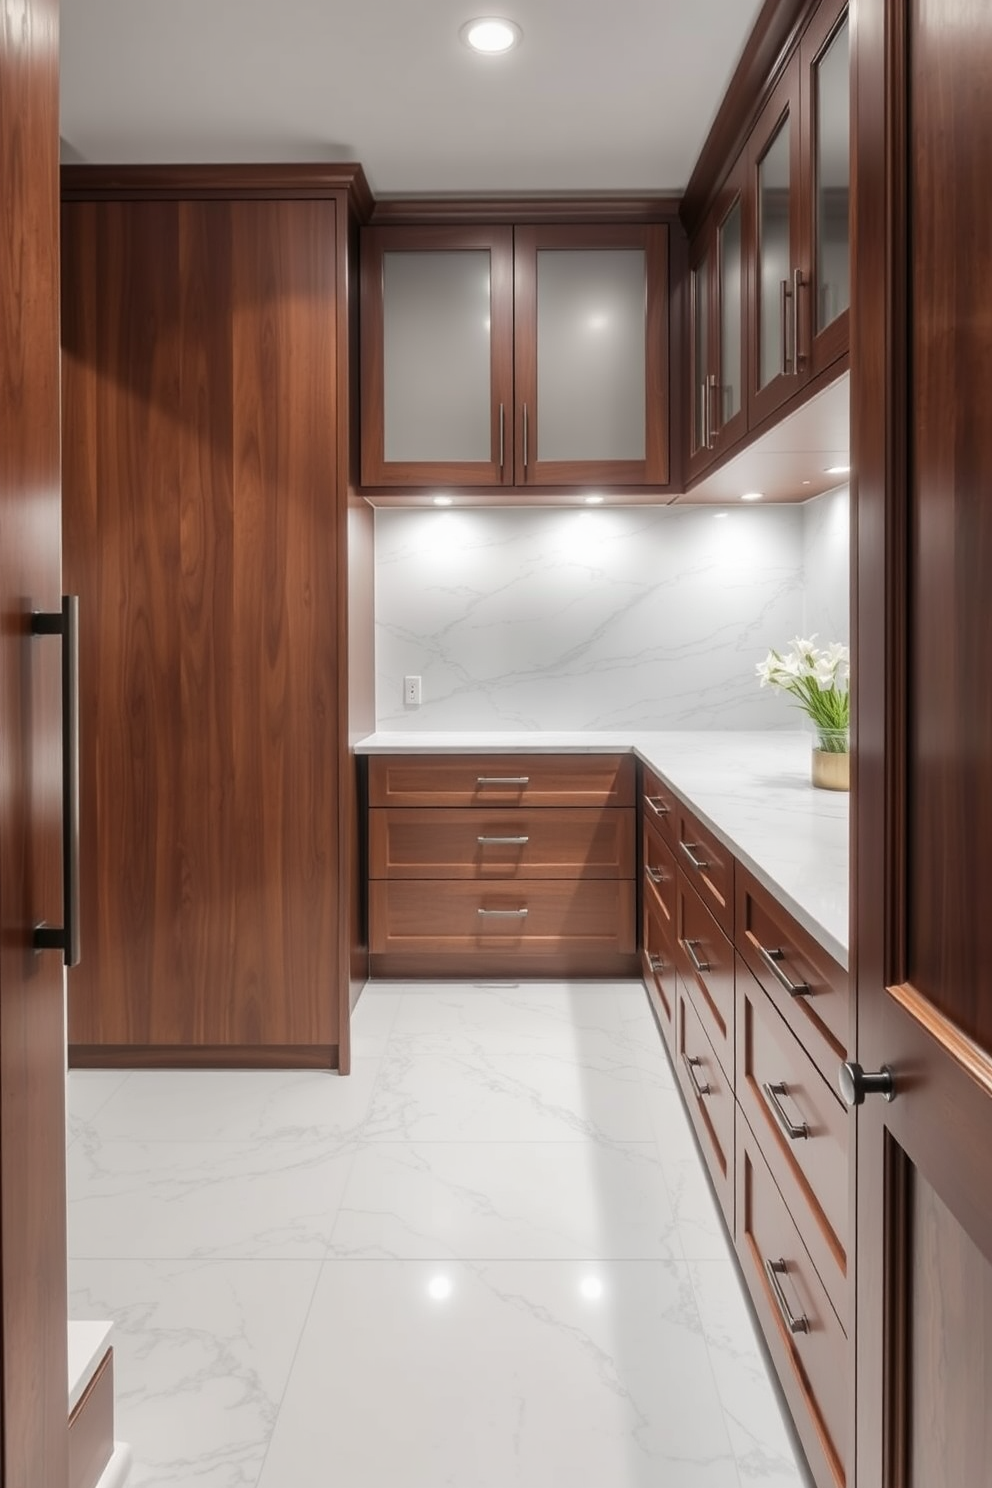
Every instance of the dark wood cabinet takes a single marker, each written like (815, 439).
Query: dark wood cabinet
(528, 356)
(718, 309)
(205, 397)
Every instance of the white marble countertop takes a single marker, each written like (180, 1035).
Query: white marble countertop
(751, 789)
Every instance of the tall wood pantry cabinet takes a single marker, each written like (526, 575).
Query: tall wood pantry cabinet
(206, 365)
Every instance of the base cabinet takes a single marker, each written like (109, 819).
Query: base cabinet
(754, 1013)
(505, 865)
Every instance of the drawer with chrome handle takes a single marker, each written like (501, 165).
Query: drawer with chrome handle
(808, 987)
(659, 805)
(494, 843)
(709, 865)
(803, 1132)
(706, 964)
(709, 1101)
(658, 966)
(804, 1335)
(583, 780)
(659, 870)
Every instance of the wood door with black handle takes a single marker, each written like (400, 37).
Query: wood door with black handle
(923, 802)
(199, 376)
(33, 1414)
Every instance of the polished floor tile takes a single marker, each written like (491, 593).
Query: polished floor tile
(525, 1373)
(489, 1258)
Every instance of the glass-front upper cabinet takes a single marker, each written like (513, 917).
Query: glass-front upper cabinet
(827, 68)
(775, 168)
(591, 355)
(717, 327)
(437, 356)
(700, 353)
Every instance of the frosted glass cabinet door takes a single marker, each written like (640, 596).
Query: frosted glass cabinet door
(436, 356)
(779, 250)
(701, 293)
(827, 61)
(591, 355)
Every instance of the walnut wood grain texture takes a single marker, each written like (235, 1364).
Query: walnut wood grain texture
(811, 1366)
(709, 1100)
(812, 1170)
(91, 1428)
(33, 1439)
(482, 844)
(659, 870)
(712, 873)
(582, 780)
(658, 968)
(200, 379)
(710, 989)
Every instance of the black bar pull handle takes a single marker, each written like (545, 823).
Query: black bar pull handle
(65, 623)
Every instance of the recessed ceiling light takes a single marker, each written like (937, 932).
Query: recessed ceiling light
(593, 500)
(753, 496)
(718, 515)
(442, 500)
(491, 35)
(838, 470)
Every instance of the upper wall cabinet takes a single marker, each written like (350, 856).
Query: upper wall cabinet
(799, 163)
(528, 356)
(717, 321)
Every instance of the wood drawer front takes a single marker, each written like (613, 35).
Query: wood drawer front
(709, 1099)
(91, 1427)
(819, 1016)
(502, 780)
(410, 916)
(660, 805)
(659, 872)
(813, 1366)
(501, 844)
(658, 967)
(810, 1162)
(709, 978)
(708, 865)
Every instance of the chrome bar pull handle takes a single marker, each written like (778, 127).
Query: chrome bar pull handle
(65, 623)
(794, 1131)
(704, 411)
(689, 849)
(502, 841)
(783, 291)
(711, 428)
(772, 958)
(774, 1270)
(655, 874)
(658, 806)
(502, 780)
(502, 436)
(689, 947)
(692, 1062)
(504, 914)
(797, 284)
(525, 436)
(655, 962)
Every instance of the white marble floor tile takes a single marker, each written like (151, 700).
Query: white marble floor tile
(521, 1200)
(761, 1442)
(202, 1353)
(237, 1105)
(86, 1093)
(198, 1199)
(702, 1233)
(372, 1019)
(553, 1014)
(476, 1096)
(531, 1374)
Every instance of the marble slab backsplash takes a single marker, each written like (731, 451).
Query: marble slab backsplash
(647, 618)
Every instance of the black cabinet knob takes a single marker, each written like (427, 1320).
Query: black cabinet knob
(855, 1083)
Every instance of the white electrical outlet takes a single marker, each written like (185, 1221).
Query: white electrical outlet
(411, 691)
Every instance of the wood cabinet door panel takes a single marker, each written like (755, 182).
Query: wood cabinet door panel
(660, 805)
(709, 1100)
(804, 1336)
(501, 780)
(659, 872)
(501, 844)
(707, 865)
(706, 966)
(801, 1127)
(658, 967)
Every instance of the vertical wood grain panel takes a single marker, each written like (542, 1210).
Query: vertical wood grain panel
(283, 272)
(33, 1426)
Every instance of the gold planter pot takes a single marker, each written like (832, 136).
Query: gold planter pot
(831, 767)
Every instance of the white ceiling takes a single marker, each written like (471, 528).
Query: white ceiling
(603, 95)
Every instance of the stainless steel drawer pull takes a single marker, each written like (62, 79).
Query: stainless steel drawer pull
(771, 960)
(502, 841)
(504, 914)
(658, 806)
(689, 848)
(502, 780)
(692, 1063)
(655, 962)
(790, 1129)
(655, 874)
(689, 947)
(773, 1270)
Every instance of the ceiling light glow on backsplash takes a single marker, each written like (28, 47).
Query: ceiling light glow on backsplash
(837, 470)
(753, 496)
(442, 500)
(491, 36)
(594, 500)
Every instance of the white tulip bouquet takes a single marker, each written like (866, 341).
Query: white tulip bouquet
(819, 680)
